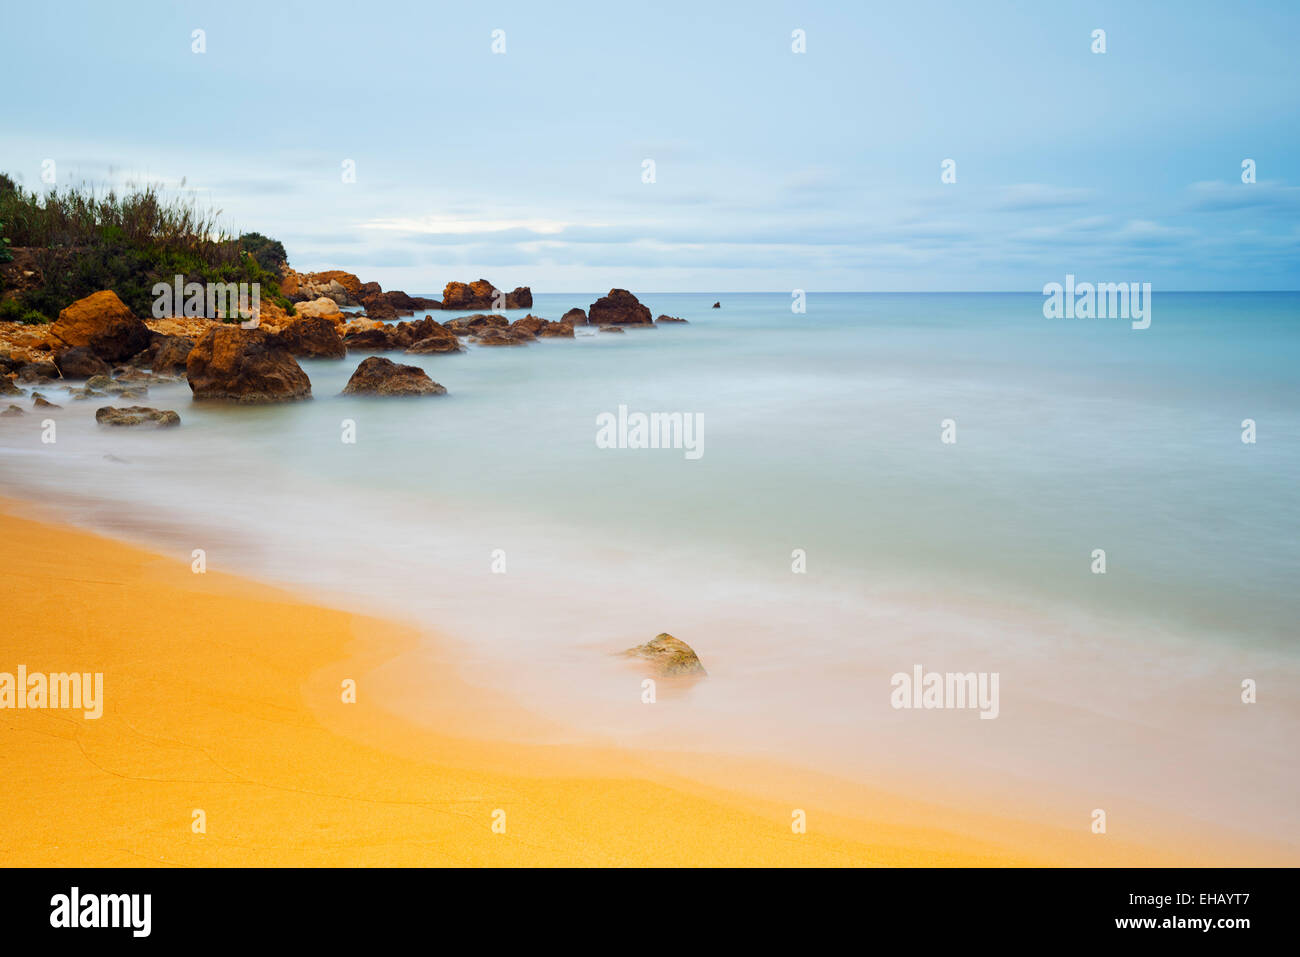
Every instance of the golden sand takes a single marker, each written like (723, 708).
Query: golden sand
(224, 696)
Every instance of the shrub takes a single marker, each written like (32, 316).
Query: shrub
(85, 242)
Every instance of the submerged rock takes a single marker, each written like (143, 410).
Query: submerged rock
(380, 376)
(668, 656)
(80, 363)
(137, 415)
(611, 328)
(12, 411)
(669, 319)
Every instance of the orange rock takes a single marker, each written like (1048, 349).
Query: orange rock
(102, 323)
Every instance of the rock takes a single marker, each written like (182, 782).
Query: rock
(574, 317)
(480, 321)
(521, 298)
(360, 324)
(619, 308)
(136, 415)
(99, 382)
(168, 353)
(245, 365)
(668, 656)
(323, 306)
(312, 336)
(493, 336)
(12, 411)
(40, 402)
(343, 288)
(390, 305)
(102, 323)
(474, 295)
(669, 319)
(554, 330)
(717, 305)
(380, 376)
(529, 324)
(7, 386)
(39, 373)
(80, 363)
(481, 294)
(434, 344)
(611, 328)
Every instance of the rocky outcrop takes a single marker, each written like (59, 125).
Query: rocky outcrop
(245, 365)
(342, 287)
(481, 294)
(103, 324)
(399, 336)
(312, 337)
(669, 319)
(391, 305)
(380, 376)
(574, 317)
(619, 308)
(80, 363)
(668, 657)
(136, 415)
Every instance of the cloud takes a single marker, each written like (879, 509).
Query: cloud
(1218, 197)
(1023, 197)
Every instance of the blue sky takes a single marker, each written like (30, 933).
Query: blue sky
(774, 170)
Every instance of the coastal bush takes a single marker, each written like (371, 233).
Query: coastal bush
(83, 242)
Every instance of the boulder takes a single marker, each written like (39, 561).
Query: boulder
(669, 319)
(317, 307)
(40, 373)
(40, 402)
(137, 415)
(80, 363)
(529, 324)
(7, 386)
(717, 305)
(312, 336)
(484, 320)
(102, 323)
(574, 317)
(668, 657)
(12, 412)
(380, 376)
(244, 365)
(619, 308)
(474, 295)
(168, 353)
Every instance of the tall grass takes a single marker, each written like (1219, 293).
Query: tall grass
(83, 240)
(79, 217)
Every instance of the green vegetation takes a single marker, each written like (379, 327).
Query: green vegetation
(81, 243)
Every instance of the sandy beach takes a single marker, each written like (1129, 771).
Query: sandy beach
(224, 696)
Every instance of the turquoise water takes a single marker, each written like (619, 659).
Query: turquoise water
(821, 433)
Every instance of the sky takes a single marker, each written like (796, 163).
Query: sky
(773, 170)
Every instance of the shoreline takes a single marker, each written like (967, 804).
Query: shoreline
(222, 694)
